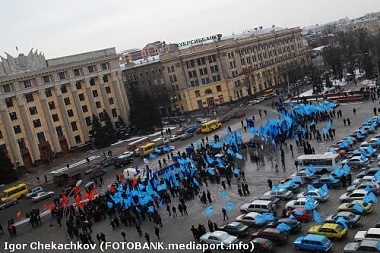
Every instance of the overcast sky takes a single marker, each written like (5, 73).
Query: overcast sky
(65, 27)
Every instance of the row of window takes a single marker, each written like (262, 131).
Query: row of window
(208, 91)
(200, 61)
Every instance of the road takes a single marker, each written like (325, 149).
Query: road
(177, 230)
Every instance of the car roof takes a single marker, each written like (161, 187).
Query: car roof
(218, 233)
(261, 202)
(359, 191)
(251, 214)
(234, 224)
(330, 225)
(312, 237)
(370, 243)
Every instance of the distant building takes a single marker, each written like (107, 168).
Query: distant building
(151, 49)
(211, 71)
(368, 25)
(46, 106)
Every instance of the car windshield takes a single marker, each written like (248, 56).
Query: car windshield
(339, 228)
(325, 241)
(351, 216)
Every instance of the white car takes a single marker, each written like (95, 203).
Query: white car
(42, 195)
(32, 192)
(128, 154)
(218, 237)
(315, 194)
(363, 180)
(174, 137)
(248, 219)
(354, 195)
(283, 194)
(301, 202)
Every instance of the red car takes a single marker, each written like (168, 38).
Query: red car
(301, 214)
(239, 115)
(275, 235)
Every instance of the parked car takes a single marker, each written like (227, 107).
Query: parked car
(257, 245)
(349, 207)
(370, 172)
(364, 179)
(248, 219)
(218, 237)
(7, 203)
(97, 173)
(92, 168)
(283, 194)
(235, 228)
(186, 136)
(174, 137)
(354, 195)
(122, 160)
(192, 129)
(331, 182)
(42, 195)
(364, 246)
(295, 225)
(32, 192)
(370, 234)
(374, 186)
(275, 235)
(351, 218)
(129, 154)
(311, 242)
(301, 202)
(109, 160)
(274, 199)
(330, 230)
(356, 162)
(315, 194)
(301, 214)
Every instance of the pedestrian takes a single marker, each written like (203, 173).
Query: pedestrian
(224, 185)
(194, 231)
(101, 181)
(276, 166)
(138, 228)
(242, 123)
(354, 110)
(168, 209)
(103, 237)
(124, 235)
(344, 182)
(291, 149)
(59, 220)
(46, 179)
(348, 122)
(216, 227)
(225, 216)
(174, 210)
(209, 196)
(344, 122)
(1, 229)
(245, 128)
(210, 226)
(184, 209)
(239, 190)
(349, 179)
(229, 182)
(270, 183)
(157, 232)
(246, 188)
(180, 209)
(98, 238)
(38, 179)
(147, 237)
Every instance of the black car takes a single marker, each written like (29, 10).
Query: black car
(110, 160)
(258, 245)
(235, 228)
(293, 223)
(186, 136)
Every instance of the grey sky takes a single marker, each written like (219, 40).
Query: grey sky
(65, 27)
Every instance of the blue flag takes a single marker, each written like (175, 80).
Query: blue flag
(209, 210)
(109, 204)
(283, 227)
(310, 187)
(224, 195)
(211, 171)
(316, 217)
(239, 156)
(230, 206)
(358, 207)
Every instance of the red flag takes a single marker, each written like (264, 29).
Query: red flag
(88, 196)
(52, 207)
(64, 200)
(94, 192)
(134, 183)
(18, 214)
(44, 206)
(112, 189)
(78, 199)
(76, 189)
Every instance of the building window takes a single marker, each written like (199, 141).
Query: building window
(92, 81)
(76, 72)
(7, 88)
(55, 117)
(36, 123)
(105, 78)
(95, 93)
(78, 85)
(51, 105)
(201, 61)
(67, 101)
(63, 89)
(70, 113)
(61, 75)
(27, 84)
(88, 121)
(41, 137)
(108, 90)
(104, 66)
(17, 129)
(212, 58)
(205, 80)
(29, 97)
(74, 126)
(21, 143)
(46, 79)
(33, 110)
(218, 88)
(208, 91)
(59, 131)
(203, 71)
(214, 68)
(48, 92)
(77, 139)
(91, 69)
(110, 100)
(1, 135)
(81, 97)
(101, 116)
(13, 116)
(114, 113)
(197, 93)
(84, 108)
(98, 104)
(216, 78)
(9, 102)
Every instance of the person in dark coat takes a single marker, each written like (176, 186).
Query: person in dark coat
(210, 226)
(270, 183)
(209, 196)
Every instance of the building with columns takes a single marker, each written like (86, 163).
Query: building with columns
(210, 71)
(46, 106)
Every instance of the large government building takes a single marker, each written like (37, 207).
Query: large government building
(206, 72)
(46, 106)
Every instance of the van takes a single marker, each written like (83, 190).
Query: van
(259, 206)
(129, 173)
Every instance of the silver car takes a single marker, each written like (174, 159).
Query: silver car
(218, 237)
(42, 195)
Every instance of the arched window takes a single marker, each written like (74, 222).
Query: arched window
(208, 91)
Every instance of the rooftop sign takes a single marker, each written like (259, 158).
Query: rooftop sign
(199, 40)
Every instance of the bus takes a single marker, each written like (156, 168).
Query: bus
(15, 192)
(147, 149)
(137, 143)
(210, 126)
(322, 163)
(63, 177)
